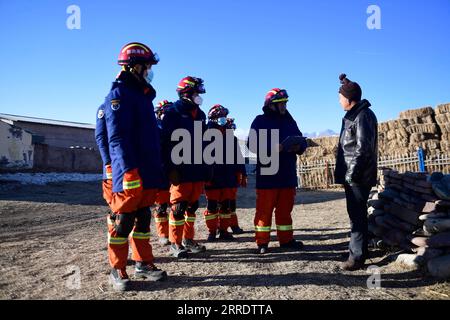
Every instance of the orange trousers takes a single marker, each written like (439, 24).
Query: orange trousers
(135, 222)
(107, 191)
(184, 203)
(218, 211)
(161, 216)
(282, 200)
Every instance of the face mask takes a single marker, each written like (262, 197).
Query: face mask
(149, 77)
(222, 121)
(198, 100)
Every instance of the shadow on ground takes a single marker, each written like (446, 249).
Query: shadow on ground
(71, 193)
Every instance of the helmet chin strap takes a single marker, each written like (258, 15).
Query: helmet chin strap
(140, 74)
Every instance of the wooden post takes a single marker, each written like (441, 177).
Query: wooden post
(326, 174)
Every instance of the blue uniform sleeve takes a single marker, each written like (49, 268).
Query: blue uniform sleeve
(101, 136)
(167, 127)
(119, 125)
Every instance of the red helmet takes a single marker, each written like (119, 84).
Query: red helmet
(136, 53)
(162, 106)
(276, 95)
(217, 111)
(190, 85)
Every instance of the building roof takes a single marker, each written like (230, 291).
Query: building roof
(10, 118)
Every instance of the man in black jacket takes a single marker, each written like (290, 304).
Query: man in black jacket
(356, 165)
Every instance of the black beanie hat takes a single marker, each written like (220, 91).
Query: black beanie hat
(349, 89)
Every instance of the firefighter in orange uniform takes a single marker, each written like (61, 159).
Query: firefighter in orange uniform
(136, 171)
(188, 178)
(221, 190)
(276, 191)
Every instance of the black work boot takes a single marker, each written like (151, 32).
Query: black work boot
(149, 271)
(225, 235)
(119, 279)
(262, 249)
(211, 237)
(178, 251)
(237, 230)
(293, 245)
(193, 246)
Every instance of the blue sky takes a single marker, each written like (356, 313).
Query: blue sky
(240, 48)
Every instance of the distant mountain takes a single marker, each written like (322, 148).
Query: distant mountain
(326, 133)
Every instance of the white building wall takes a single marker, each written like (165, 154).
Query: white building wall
(16, 148)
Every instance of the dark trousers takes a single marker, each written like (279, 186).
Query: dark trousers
(357, 196)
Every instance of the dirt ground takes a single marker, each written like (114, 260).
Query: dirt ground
(47, 232)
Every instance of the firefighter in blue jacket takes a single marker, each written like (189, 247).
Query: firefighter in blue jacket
(163, 198)
(221, 190)
(132, 138)
(188, 178)
(276, 191)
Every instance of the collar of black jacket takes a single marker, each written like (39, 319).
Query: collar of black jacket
(360, 106)
(130, 80)
(274, 114)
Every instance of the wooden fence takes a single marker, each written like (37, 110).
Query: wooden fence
(320, 174)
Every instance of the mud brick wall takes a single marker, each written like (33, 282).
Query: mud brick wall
(55, 159)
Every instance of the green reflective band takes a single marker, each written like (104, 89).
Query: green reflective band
(280, 100)
(131, 184)
(160, 220)
(262, 229)
(225, 216)
(117, 241)
(211, 217)
(176, 223)
(141, 235)
(285, 228)
(190, 219)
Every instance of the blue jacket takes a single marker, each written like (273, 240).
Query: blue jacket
(101, 136)
(181, 116)
(286, 177)
(133, 135)
(224, 175)
(165, 184)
